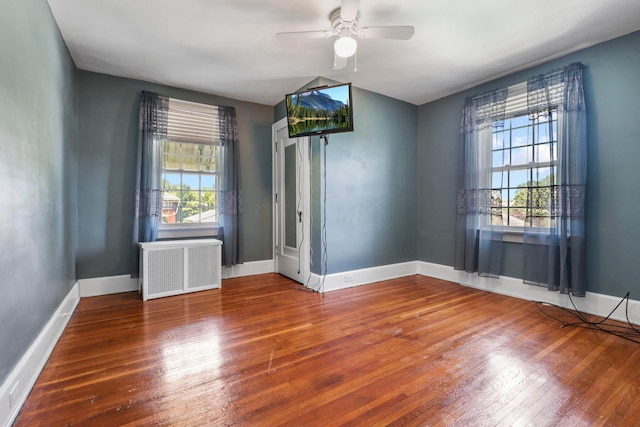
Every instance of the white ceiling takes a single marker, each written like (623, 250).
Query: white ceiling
(229, 48)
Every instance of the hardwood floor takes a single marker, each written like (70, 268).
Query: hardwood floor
(262, 352)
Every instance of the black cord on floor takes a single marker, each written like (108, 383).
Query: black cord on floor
(628, 332)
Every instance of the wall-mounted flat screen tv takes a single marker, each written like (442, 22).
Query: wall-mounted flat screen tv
(319, 111)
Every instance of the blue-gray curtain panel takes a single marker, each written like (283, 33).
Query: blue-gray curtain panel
(555, 256)
(478, 248)
(230, 203)
(152, 130)
(554, 251)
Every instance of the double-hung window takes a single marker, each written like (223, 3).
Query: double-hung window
(191, 170)
(522, 178)
(524, 165)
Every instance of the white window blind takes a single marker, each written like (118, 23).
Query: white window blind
(517, 98)
(193, 123)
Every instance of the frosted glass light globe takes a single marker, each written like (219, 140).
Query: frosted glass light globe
(345, 46)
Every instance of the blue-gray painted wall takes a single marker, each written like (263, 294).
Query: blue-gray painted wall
(612, 90)
(107, 147)
(37, 175)
(371, 184)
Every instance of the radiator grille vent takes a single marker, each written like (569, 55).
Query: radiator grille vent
(176, 267)
(166, 271)
(203, 271)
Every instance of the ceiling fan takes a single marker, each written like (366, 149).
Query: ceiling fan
(344, 26)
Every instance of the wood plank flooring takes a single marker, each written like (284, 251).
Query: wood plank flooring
(263, 352)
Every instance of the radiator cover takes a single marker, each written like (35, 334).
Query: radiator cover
(173, 267)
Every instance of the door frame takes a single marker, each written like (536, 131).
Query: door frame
(305, 171)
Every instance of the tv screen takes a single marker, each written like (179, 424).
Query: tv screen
(319, 111)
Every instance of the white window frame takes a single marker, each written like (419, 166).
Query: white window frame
(516, 106)
(197, 135)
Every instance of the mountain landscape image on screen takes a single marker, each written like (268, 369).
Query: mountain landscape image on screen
(316, 112)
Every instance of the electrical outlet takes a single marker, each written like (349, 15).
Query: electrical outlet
(14, 395)
(348, 278)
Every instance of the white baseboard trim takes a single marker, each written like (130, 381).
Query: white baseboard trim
(124, 283)
(107, 285)
(365, 276)
(592, 303)
(249, 269)
(18, 385)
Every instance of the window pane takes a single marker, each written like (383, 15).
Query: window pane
(520, 121)
(499, 158)
(171, 156)
(209, 215)
(521, 156)
(518, 196)
(208, 158)
(172, 181)
(498, 139)
(539, 208)
(189, 149)
(544, 153)
(518, 178)
(505, 198)
(498, 217)
(542, 176)
(543, 133)
(189, 162)
(498, 180)
(193, 216)
(190, 207)
(208, 182)
(190, 181)
(517, 217)
(208, 200)
(520, 137)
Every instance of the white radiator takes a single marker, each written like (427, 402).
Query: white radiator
(172, 267)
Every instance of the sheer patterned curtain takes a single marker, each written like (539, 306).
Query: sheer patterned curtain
(230, 204)
(478, 245)
(152, 130)
(555, 256)
(554, 251)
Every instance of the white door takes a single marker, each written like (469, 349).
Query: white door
(291, 203)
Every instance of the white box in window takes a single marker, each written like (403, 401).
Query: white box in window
(172, 267)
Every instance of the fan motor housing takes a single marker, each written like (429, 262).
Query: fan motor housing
(343, 27)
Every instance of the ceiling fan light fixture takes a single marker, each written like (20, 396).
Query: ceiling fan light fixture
(345, 46)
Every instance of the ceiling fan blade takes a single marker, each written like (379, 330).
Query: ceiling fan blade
(304, 35)
(339, 62)
(349, 10)
(387, 32)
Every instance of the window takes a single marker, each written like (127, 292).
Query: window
(523, 169)
(191, 168)
(522, 178)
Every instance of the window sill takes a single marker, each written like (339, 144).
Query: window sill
(517, 236)
(180, 231)
(512, 236)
